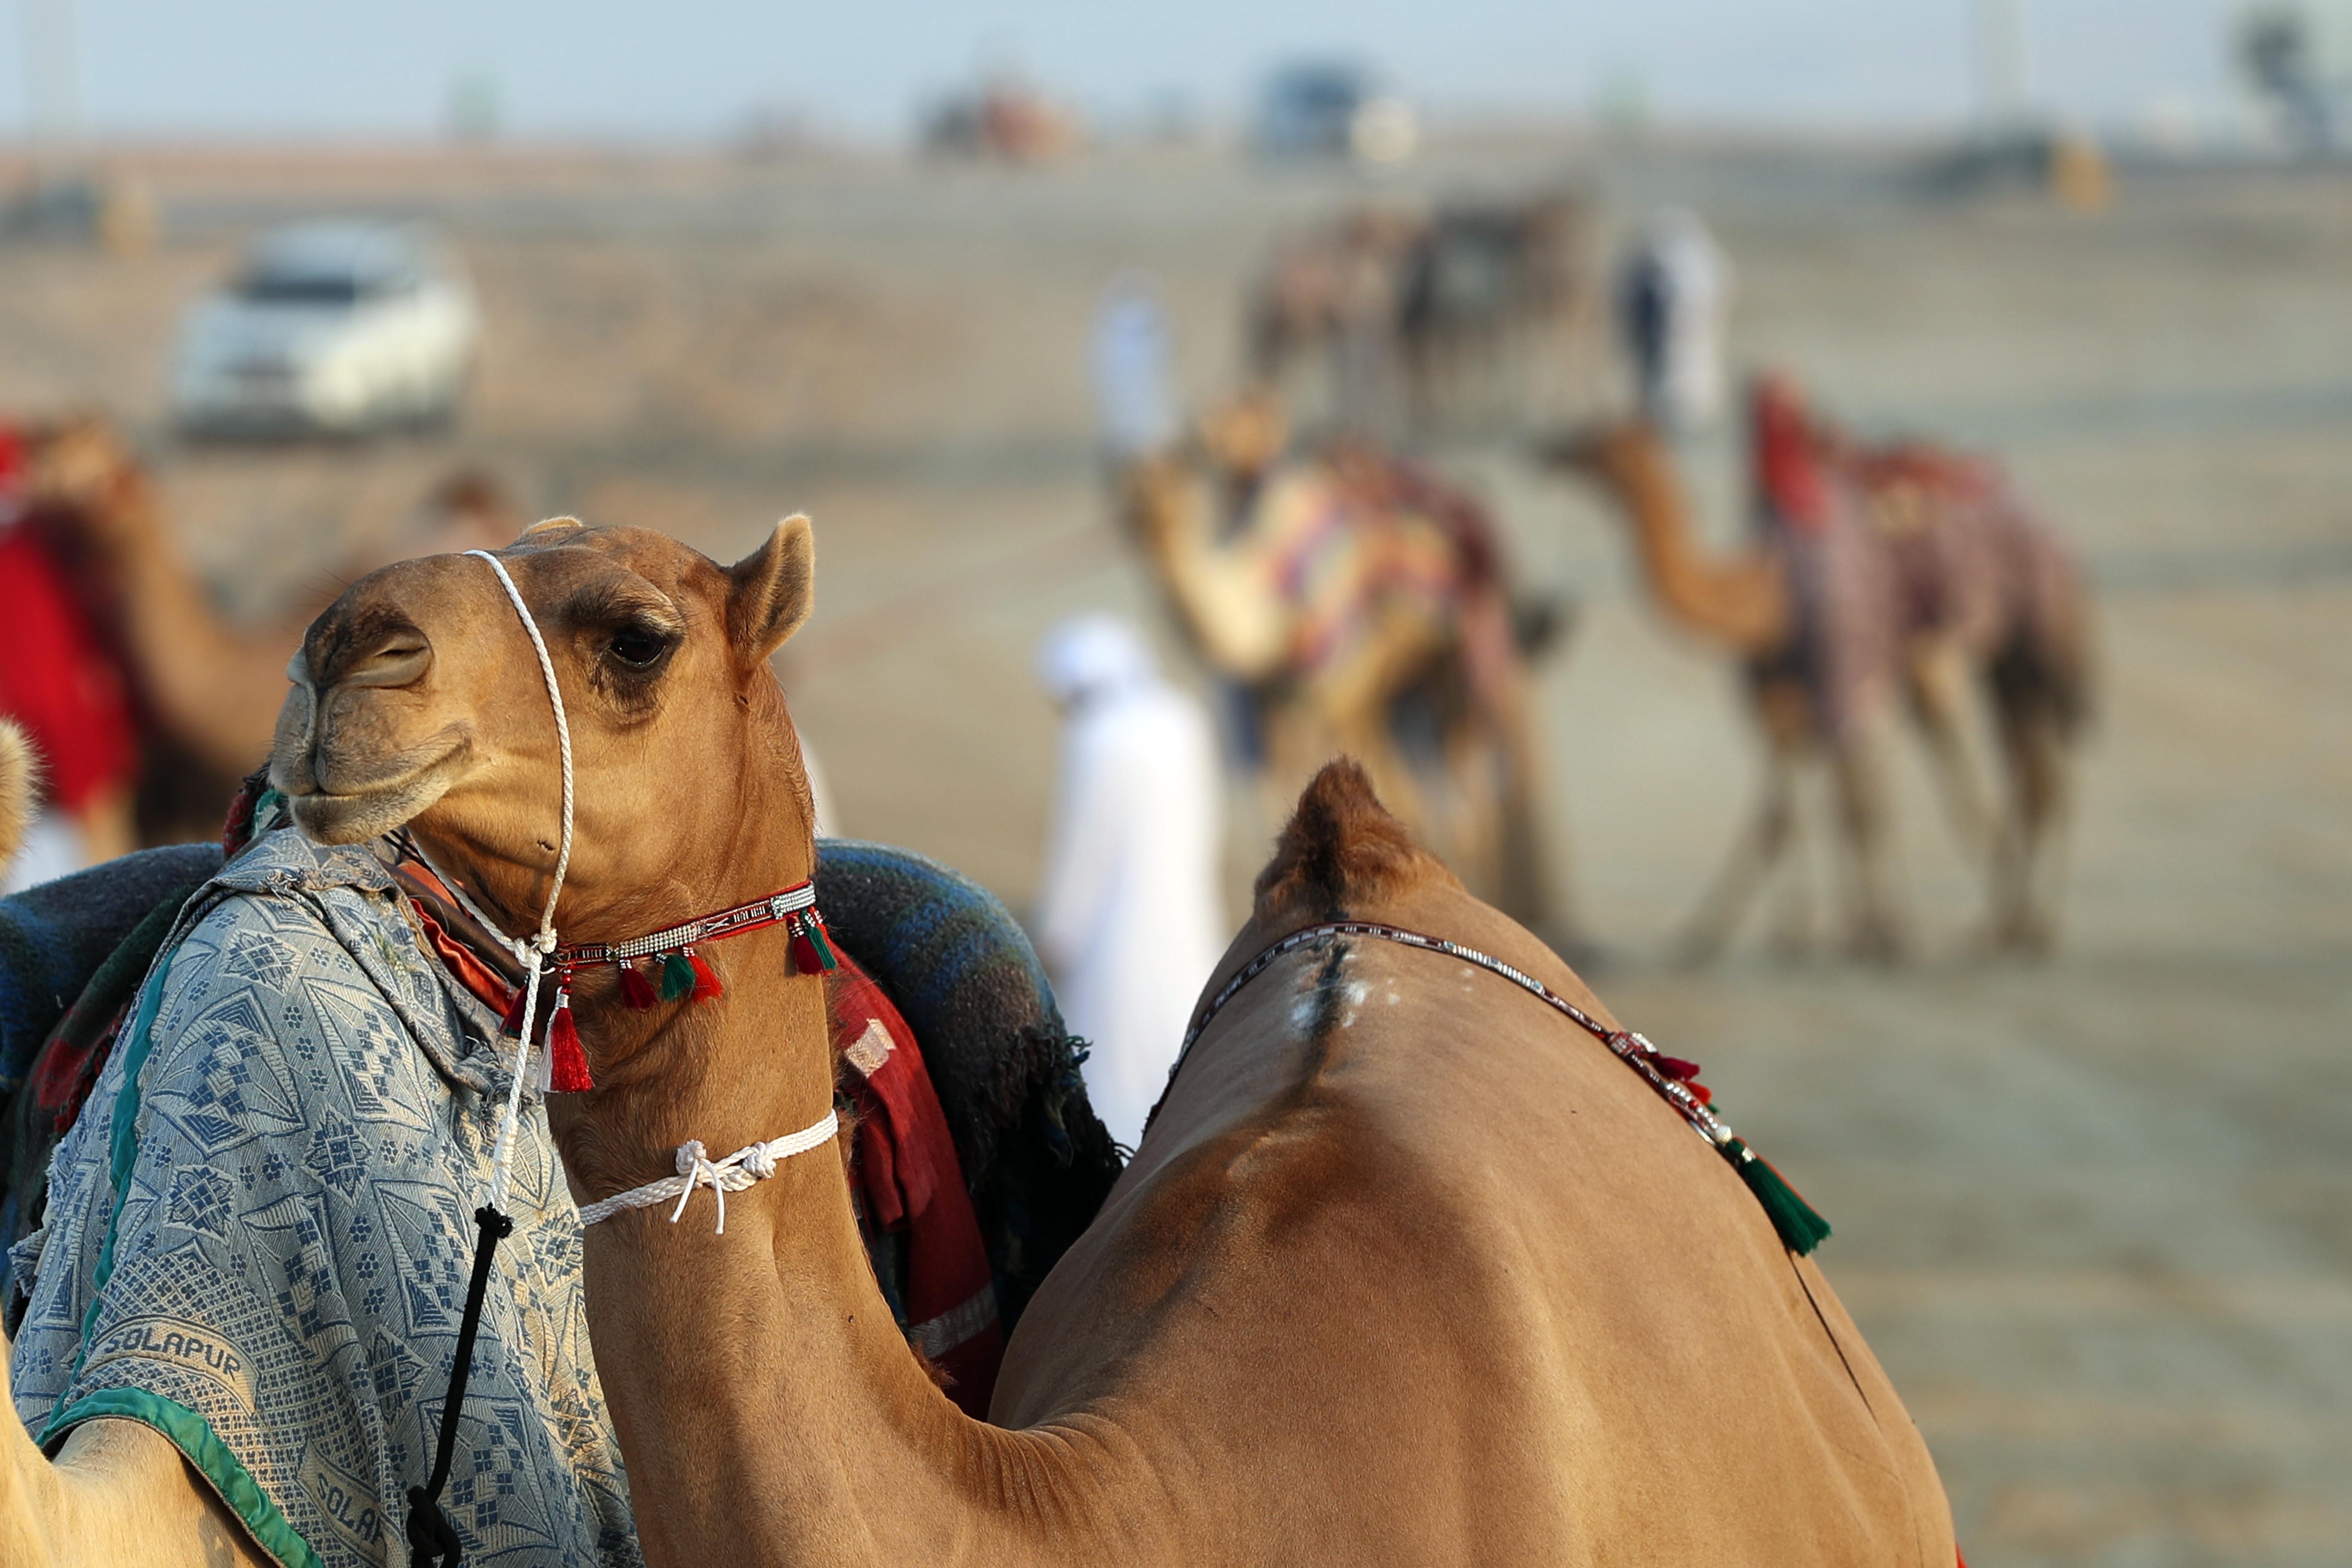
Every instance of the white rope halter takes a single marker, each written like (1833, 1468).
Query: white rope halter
(733, 1173)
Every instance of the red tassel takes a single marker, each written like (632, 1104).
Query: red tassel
(636, 989)
(812, 951)
(1676, 1068)
(567, 1064)
(705, 979)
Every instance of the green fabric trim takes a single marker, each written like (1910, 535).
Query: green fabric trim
(195, 1437)
(123, 1130)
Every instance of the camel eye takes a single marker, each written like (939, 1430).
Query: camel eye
(638, 648)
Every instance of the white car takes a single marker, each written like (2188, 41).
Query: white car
(337, 327)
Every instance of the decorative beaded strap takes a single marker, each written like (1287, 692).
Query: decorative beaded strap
(1674, 1080)
(776, 909)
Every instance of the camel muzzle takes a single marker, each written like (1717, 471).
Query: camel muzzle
(343, 757)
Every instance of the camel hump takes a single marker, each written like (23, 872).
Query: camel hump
(16, 775)
(1342, 853)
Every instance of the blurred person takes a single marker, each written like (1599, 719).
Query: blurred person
(1674, 293)
(1130, 352)
(1129, 919)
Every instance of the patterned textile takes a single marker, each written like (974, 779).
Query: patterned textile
(258, 1236)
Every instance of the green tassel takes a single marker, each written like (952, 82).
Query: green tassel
(820, 939)
(1801, 1228)
(677, 978)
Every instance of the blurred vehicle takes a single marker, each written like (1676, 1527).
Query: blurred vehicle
(113, 211)
(1005, 119)
(331, 327)
(1329, 108)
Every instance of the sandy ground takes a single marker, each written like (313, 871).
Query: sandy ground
(2095, 1216)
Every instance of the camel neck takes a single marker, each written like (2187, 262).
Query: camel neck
(770, 1346)
(1736, 600)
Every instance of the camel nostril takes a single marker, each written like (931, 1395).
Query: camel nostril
(400, 660)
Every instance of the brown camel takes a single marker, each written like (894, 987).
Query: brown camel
(1352, 588)
(1911, 577)
(1407, 1270)
(208, 689)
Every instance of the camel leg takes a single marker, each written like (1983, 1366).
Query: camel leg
(1858, 770)
(2029, 866)
(1938, 689)
(1791, 934)
(1753, 859)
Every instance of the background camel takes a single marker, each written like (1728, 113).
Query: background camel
(1405, 1270)
(1905, 577)
(207, 690)
(1430, 317)
(1360, 607)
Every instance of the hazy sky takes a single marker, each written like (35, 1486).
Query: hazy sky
(693, 68)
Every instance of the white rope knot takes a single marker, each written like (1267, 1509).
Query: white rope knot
(753, 1164)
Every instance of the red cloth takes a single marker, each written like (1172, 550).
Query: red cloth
(912, 1182)
(57, 678)
(1789, 477)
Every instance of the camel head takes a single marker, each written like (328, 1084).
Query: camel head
(418, 700)
(1623, 455)
(1244, 437)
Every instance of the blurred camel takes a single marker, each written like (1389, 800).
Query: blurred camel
(1896, 574)
(1421, 315)
(1353, 597)
(206, 689)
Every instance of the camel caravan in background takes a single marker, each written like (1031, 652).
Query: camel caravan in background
(1418, 1262)
(1425, 319)
(1900, 573)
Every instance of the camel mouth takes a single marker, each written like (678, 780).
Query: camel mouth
(354, 815)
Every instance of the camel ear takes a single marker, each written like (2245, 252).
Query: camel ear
(774, 588)
(552, 525)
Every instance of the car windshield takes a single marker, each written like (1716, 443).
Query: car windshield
(307, 289)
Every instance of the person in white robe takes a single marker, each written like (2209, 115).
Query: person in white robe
(1674, 301)
(1129, 920)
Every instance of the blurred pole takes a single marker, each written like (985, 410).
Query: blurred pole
(51, 86)
(2001, 62)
